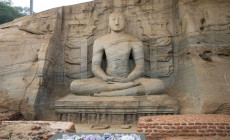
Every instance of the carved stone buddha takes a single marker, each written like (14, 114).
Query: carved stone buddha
(117, 80)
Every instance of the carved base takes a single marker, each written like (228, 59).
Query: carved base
(113, 110)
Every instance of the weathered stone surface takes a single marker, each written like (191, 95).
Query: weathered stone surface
(223, 109)
(113, 110)
(201, 55)
(10, 115)
(33, 129)
(28, 61)
(186, 44)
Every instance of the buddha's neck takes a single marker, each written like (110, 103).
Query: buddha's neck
(117, 33)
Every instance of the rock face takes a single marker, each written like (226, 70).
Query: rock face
(186, 44)
(201, 55)
(29, 57)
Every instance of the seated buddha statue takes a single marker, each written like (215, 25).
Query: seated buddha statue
(117, 80)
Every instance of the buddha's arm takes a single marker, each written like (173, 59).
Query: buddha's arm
(138, 56)
(98, 51)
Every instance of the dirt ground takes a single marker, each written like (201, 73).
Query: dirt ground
(86, 128)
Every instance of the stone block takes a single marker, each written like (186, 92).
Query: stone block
(114, 110)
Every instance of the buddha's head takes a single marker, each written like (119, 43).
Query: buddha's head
(117, 21)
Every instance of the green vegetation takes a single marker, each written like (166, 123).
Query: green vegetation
(9, 12)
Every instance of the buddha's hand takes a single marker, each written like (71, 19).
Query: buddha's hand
(110, 79)
(121, 79)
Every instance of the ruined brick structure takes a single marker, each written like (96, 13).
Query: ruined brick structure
(184, 125)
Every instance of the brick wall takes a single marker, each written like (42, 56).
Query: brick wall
(184, 125)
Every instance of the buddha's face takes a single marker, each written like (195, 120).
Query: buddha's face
(117, 22)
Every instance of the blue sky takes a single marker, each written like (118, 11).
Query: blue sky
(42, 5)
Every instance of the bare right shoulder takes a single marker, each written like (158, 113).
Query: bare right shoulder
(99, 43)
(102, 39)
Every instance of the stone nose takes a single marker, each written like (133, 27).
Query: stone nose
(116, 21)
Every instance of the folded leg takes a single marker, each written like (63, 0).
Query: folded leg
(133, 91)
(95, 85)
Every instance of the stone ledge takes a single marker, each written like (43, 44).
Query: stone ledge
(184, 125)
(113, 110)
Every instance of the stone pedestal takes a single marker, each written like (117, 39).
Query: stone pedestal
(113, 110)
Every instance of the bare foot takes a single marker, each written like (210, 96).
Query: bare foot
(136, 83)
(96, 94)
(103, 94)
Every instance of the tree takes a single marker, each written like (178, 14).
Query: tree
(9, 13)
(6, 2)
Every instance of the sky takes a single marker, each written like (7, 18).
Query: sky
(42, 5)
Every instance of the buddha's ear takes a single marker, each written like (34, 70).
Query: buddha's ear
(109, 29)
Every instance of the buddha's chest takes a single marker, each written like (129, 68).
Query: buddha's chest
(118, 49)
